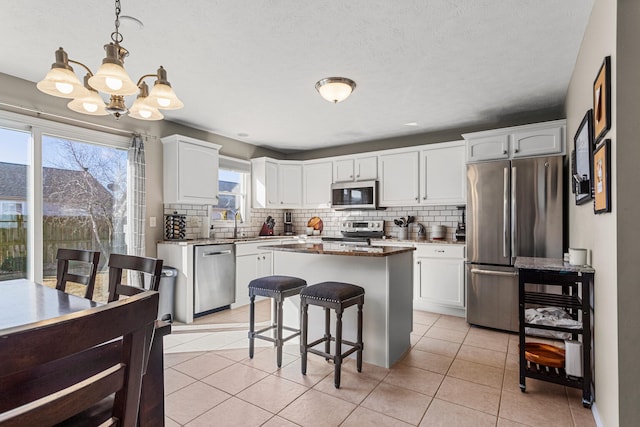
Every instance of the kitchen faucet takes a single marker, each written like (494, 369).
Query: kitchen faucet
(234, 212)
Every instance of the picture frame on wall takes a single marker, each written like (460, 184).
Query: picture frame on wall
(582, 173)
(602, 101)
(602, 181)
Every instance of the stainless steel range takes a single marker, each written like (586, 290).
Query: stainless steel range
(373, 229)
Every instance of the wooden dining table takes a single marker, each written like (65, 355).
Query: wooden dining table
(23, 302)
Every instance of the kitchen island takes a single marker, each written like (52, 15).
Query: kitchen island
(386, 274)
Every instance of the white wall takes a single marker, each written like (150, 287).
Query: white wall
(598, 232)
(628, 205)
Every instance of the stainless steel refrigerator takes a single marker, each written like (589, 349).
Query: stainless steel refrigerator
(514, 208)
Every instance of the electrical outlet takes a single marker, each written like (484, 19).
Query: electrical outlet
(152, 221)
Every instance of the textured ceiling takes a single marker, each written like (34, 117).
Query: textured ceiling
(247, 67)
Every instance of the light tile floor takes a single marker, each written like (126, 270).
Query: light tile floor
(454, 375)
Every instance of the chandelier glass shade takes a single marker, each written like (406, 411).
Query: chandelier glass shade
(111, 79)
(335, 89)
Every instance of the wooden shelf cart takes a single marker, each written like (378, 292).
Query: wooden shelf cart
(576, 285)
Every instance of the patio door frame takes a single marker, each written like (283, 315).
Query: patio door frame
(39, 127)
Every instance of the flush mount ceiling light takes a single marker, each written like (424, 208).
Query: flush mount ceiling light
(111, 79)
(335, 89)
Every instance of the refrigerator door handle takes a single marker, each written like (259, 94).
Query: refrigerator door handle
(514, 212)
(493, 273)
(505, 213)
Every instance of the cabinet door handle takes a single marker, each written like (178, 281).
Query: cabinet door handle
(264, 257)
(424, 198)
(517, 150)
(416, 198)
(281, 202)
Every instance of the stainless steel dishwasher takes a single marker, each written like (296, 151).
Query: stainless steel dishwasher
(215, 277)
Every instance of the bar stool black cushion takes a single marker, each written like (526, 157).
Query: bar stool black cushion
(332, 291)
(269, 285)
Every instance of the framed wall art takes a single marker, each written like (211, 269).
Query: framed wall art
(602, 181)
(602, 101)
(582, 173)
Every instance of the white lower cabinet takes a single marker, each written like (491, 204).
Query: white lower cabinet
(251, 262)
(439, 278)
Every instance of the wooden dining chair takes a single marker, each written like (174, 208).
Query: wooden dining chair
(119, 263)
(91, 258)
(59, 370)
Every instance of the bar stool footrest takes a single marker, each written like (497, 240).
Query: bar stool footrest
(257, 334)
(354, 347)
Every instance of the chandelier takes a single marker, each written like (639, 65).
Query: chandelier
(335, 89)
(111, 79)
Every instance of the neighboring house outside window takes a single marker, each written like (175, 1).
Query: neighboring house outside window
(233, 190)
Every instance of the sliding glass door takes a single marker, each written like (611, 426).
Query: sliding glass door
(61, 186)
(14, 163)
(84, 200)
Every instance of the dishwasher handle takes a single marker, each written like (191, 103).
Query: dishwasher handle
(216, 253)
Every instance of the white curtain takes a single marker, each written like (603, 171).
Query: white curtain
(136, 204)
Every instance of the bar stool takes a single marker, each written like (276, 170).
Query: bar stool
(278, 288)
(336, 296)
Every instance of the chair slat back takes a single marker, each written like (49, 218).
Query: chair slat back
(54, 369)
(64, 256)
(118, 263)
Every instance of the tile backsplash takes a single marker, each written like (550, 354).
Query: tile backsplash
(448, 216)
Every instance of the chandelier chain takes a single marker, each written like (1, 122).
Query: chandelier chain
(116, 36)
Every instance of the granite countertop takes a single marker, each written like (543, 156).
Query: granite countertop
(415, 241)
(551, 264)
(302, 239)
(341, 249)
(215, 241)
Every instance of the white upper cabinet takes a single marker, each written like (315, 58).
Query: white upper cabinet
(317, 181)
(271, 184)
(443, 173)
(355, 169)
(290, 184)
(276, 184)
(537, 142)
(540, 139)
(190, 172)
(488, 148)
(399, 178)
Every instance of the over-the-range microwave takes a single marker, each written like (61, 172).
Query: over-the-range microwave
(354, 195)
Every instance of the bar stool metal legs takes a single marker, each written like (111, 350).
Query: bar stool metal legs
(336, 296)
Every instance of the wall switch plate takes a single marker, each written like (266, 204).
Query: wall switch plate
(152, 221)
